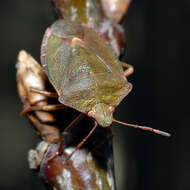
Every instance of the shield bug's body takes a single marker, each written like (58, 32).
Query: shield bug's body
(86, 75)
(84, 71)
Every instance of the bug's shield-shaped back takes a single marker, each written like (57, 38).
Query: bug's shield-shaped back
(81, 67)
(91, 81)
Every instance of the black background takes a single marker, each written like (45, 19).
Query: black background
(158, 37)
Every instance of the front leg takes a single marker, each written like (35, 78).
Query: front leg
(65, 133)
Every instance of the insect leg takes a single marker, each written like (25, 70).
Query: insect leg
(44, 93)
(129, 69)
(72, 125)
(65, 132)
(43, 108)
(83, 141)
(68, 129)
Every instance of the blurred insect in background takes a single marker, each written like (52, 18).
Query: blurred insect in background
(30, 75)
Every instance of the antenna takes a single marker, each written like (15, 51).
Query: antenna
(144, 128)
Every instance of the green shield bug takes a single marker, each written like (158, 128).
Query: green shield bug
(85, 73)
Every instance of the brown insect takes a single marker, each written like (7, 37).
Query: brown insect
(30, 75)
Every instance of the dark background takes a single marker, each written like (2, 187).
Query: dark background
(158, 37)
